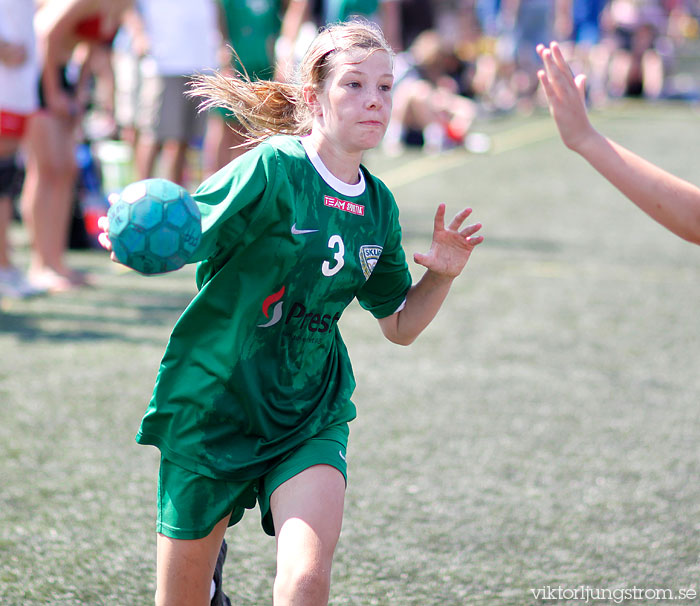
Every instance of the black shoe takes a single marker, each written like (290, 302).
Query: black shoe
(220, 598)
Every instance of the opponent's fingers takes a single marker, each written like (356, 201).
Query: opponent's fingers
(549, 75)
(580, 82)
(556, 67)
(546, 84)
(558, 58)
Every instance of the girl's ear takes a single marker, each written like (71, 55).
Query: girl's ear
(311, 99)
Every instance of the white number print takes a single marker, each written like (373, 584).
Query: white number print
(334, 242)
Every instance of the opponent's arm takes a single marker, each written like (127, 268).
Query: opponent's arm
(671, 201)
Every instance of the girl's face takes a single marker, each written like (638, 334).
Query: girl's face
(352, 109)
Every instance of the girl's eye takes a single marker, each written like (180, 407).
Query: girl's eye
(354, 84)
(385, 88)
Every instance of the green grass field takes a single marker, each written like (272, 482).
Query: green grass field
(544, 432)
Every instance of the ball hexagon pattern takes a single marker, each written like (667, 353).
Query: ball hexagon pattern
(154, 226)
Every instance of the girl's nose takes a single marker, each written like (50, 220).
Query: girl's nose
(374, 100)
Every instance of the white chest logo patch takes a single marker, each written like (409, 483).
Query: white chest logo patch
(369, 255)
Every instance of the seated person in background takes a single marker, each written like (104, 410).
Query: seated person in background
(428, 107)
(636, 66)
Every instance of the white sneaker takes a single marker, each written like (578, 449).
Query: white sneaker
(14, 284)
(477, 143)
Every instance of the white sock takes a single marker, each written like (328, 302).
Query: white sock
(212, 591)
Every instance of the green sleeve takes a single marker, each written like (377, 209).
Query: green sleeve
(230, 200)
(386, 288)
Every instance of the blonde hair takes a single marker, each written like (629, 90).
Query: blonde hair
(265, 108)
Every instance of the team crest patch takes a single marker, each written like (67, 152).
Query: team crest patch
(344, 205)
(369, 255)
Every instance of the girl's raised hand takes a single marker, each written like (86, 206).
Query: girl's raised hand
(451, 245)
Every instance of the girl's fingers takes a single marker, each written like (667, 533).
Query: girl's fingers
(459, 219)
(103, 239)
(470, 230)
(439, 221)
(103, 223)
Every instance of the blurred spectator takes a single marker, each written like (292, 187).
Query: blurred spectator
(48, 194)
(130, 46)
(178, 38)
(429, 109)
(488, 13)
(585, 21)
(263, 47)
(387, 13)
(532, 22)
(636, 63)
(416, 17)
(19, 77)
(586, 50)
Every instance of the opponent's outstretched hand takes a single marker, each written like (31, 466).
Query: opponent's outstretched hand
(451, 245)
(566, 96)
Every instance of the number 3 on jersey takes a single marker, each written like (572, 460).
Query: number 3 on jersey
(335, 243)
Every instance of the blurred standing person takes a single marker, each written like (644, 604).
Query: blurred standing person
(130, 45)
(179, 38)
(19, 76)
(532, 22)
(47, 197)
(488, 13)
(637, 60)
(417, 16)
(263, 47)
(387, 13)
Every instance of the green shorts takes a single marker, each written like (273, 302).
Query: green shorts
(190, 505)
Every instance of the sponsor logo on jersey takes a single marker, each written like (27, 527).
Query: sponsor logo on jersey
(369, 255)
(277, 310)
(348, 207)
(298, 317)
(310, 320)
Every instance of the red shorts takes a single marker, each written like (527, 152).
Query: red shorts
(12, 125)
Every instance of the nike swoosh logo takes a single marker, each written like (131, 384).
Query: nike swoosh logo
(297, 232)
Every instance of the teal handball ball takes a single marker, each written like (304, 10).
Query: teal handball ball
(154, 226)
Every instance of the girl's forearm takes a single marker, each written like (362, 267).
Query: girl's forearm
(423, 301)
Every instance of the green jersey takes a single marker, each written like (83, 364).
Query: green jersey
(341, 10)
(253, 26)
(256, 364)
